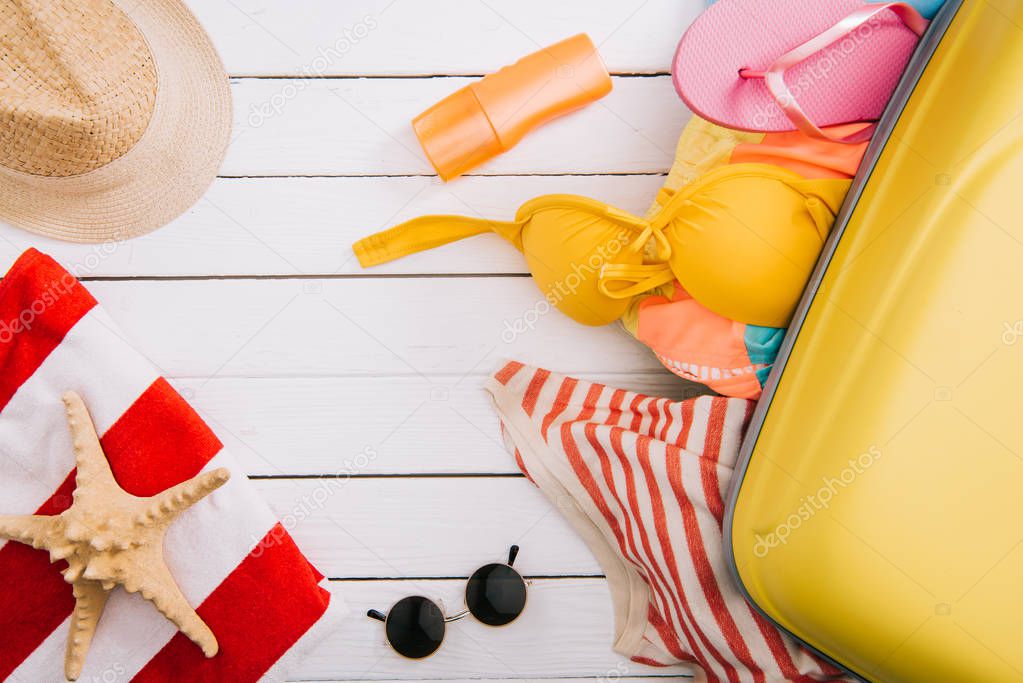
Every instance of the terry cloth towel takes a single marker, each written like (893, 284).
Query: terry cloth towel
(233, 560)
(647, 477)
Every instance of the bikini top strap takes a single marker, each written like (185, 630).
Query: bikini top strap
(821, 199)
(622, 281)
(427, 232)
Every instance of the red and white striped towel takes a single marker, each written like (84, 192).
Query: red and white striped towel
(642, 480)
(230, 556)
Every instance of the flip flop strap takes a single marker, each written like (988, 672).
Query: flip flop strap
(774, 77)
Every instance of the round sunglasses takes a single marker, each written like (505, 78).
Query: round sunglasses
(495, 595)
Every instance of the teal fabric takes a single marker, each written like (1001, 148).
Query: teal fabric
(762, 345)
(928, 8)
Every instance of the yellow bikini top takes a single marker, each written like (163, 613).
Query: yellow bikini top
(742, 240)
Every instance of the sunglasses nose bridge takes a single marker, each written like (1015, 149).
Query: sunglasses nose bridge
(456, 617)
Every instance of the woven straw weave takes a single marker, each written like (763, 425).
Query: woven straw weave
(114, 115)
(78, 83)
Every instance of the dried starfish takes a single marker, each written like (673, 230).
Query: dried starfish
(112, 538)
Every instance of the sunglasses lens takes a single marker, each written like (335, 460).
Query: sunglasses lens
(496, 594)
(415, 627)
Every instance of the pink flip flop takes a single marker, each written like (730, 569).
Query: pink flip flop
(782, 65)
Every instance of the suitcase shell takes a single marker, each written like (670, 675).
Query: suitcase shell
(877, 513)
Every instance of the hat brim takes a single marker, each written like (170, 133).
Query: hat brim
(166, 171)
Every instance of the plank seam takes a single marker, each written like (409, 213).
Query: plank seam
(235, 77)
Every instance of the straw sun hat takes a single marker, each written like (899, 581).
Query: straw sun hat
(114, 115)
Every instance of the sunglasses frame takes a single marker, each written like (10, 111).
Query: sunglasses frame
(380, 616)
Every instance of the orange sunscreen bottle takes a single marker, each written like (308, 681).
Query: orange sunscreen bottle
(490, 116)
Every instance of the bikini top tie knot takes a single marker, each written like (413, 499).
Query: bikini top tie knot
(742, 240)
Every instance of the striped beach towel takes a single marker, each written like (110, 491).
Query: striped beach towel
(642, 480)
(232, 559)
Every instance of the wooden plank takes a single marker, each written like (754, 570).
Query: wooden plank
(578, 679)
(566, 631)
(406, 527)
(288, 226)
(412, 425)
(425, 527)
(656, 678)
(366, 37)
(360, 327)
(361, 127)
(301, 376)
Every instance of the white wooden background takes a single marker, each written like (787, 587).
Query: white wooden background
(253, 305)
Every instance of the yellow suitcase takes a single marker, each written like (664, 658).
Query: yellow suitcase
(878, 512)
